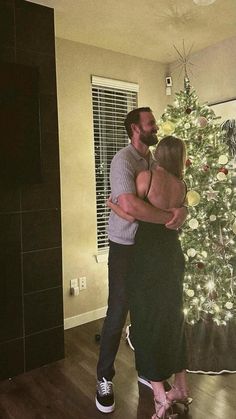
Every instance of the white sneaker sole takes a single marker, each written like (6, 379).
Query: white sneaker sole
(104, 409)
(128, 338)
(145, 382)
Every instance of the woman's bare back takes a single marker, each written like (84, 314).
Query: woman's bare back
(166, 191)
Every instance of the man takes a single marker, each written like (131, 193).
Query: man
(141, 128)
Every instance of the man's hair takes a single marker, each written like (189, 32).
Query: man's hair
(170, 154)
(133, 117)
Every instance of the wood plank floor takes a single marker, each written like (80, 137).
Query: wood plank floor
(65, 389)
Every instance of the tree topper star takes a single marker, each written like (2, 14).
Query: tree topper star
(184, 63)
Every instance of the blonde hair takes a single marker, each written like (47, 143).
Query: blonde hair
(170, 154)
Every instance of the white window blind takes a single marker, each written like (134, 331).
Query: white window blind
(112, 100)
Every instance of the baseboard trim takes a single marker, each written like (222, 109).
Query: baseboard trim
(83, 318)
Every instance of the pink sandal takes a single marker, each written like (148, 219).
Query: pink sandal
(166, 407)
(186, 401)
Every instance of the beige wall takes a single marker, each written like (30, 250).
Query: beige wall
(214, 80)
(75, 65)
(214, 75)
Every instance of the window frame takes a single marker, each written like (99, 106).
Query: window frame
(111, 101)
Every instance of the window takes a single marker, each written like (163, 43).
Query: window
(112, 100)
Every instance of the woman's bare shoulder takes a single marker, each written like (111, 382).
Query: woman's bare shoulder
(164, 174)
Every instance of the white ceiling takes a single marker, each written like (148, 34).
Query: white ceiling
(144, 28)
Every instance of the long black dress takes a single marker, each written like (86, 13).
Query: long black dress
(155, 290)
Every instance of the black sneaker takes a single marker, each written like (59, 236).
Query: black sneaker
(105, 397)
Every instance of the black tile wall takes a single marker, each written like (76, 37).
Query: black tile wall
(3, 2)
(7, 25)
(44, 347)
(11, 358)
(9, 199)
(45, 64)
(50, 156)
(41, 229)
(48, 113)
(10, 237)
(7, 54)
(43, 310)
(41, 196)
(11, 309)
(31, 307)
(42, 269)
(34, 28)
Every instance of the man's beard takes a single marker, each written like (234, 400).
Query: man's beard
(148, 138)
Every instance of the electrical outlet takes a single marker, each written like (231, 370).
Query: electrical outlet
(74, 283)
(82, 283)
(74, 287)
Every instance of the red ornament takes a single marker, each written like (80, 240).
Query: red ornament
(224, 170)
(200, 265)
(202, 121)
(205, 168)
(188, 110)
(188, 163)
(213, 295)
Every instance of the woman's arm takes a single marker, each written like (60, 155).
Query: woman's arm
(142, 183)
(119, 211)
(142, 180)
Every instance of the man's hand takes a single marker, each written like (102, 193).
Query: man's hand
(178, 219)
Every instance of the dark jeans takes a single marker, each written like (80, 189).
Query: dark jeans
(118, 263)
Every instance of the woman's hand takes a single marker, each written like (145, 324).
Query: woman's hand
(178, 219)
(109, 201)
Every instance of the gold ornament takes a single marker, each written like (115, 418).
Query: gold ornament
(193, 223)
(212, 217)
(191, 252)
(221, 176)
(193, 198)
(229, 305)
(167, 127)
(190, 293)
(223, 159)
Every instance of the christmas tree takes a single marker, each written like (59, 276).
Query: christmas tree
(208, 236)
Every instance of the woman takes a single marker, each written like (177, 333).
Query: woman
(155, 282)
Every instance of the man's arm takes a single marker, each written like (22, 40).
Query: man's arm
(119, 211)
(142, 210)
(173, 218)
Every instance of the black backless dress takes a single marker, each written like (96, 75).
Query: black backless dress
(155, 291)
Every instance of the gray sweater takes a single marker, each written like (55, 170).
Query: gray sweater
(125, 167)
